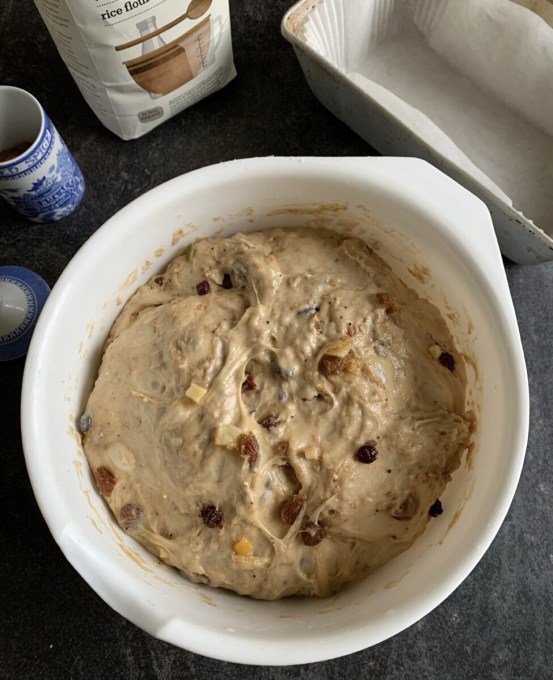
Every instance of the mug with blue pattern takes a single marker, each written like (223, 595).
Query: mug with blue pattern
(38, 175)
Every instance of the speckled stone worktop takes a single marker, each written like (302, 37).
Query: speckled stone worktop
(497, 624)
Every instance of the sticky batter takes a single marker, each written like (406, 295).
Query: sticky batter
(277, 413)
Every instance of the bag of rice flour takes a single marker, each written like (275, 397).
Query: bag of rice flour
(139, 62)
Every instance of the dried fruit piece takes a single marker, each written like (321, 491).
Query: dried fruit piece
(312, 533)
(196, 392)
(249, 383)
(436, 508)
(282, 448)
(309, 310)
(388, 301)
(227, 282)
(284, 373)
(227, 436)
(367, 453)
(190, 252)
(336, 359)
(243, 548)
(434, 351)
(270, 422)
(407, 509)
(215, 276)
(212, 516)
(105, 479)
(248, 446)
(340, 348)
(332, 365)
(85, 423)
(129, 515)
(291, 508)
(130, 512)
(446, 359)
(203, 288)
(312, 452)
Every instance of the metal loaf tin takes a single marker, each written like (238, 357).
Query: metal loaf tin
(336, 39)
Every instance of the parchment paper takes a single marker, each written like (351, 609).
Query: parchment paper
(472, 78)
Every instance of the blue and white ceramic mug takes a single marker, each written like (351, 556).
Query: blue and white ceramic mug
(38, 175)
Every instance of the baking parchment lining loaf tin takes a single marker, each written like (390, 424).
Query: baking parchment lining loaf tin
(467, 86)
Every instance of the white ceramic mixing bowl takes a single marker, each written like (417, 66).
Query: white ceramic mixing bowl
(438, 238)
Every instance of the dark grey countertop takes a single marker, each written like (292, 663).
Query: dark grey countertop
(497, 624)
